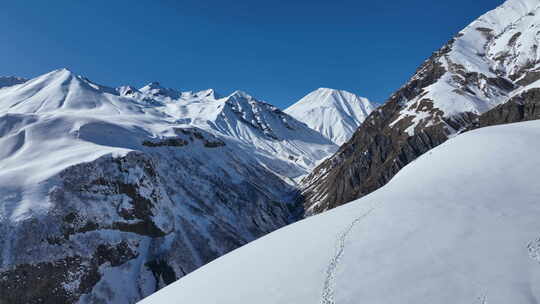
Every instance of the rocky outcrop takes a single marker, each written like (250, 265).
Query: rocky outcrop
(523, 107)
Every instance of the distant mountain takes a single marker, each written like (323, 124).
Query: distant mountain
(10, 81)
(336, 114)
(458, 225)
(491, 63)
(112, 193)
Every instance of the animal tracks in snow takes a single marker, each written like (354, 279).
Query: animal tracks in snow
(330, 280)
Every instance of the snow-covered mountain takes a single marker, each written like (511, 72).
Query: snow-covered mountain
(111, 193)
(458, 225)
(336, 114)
(491, 62)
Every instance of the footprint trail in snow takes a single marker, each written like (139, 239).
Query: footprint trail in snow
(330, 280)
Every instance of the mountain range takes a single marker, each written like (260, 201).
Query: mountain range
(109, 194)
(112, 193)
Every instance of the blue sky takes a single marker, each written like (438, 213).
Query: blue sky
(275, 50)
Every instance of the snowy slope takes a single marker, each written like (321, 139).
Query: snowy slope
(246, 119)
(458, 225)
(112, 193)
(334, 113)
(256, 123)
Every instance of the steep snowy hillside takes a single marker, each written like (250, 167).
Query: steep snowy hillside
(334, 113)
(246, 119)
(257, 123)
(458, 225)
(492, 61)
(113, 193)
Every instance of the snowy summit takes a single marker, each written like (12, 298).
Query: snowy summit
(336, 114)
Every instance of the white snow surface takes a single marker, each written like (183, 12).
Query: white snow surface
(336, 114)
(458, 225)
(59, 119)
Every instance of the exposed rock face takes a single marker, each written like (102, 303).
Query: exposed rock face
(448, 94)
(136, 217)
(62, 280)
(523, 107)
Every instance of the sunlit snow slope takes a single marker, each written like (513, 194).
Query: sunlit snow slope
(336, 114)
(458, 225)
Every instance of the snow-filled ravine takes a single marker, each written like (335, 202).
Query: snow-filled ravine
(458, 225)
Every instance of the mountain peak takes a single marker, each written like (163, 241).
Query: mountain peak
(240, 94)
(324, 89)
(208, 93)
(58, 90)
(156, 89)
(127, 90)
(334, 113)
(154, 85)
(61, 72)
(332, 95)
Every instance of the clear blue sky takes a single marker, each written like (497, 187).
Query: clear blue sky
(275, 50)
